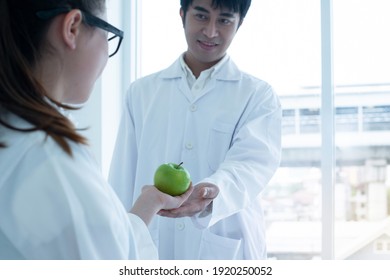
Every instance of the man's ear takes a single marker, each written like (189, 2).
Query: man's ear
(71, 27)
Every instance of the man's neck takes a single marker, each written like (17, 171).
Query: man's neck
(197, 67)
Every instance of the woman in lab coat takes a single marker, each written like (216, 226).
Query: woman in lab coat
(54, 202)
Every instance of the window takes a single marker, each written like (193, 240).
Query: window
(362, 91)
(289, 121)
(382, 246)
(347, 119)
(309, 120)
(376, 118)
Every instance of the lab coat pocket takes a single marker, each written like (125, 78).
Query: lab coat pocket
(219, 143)
(216, 247)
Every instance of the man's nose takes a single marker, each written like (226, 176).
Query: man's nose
(210, 30)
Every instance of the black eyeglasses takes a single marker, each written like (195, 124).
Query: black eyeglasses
(115, 36)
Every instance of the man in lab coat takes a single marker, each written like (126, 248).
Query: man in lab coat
(225, 125)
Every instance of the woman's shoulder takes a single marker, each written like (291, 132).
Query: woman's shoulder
(34, 148)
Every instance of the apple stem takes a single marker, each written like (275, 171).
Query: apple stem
(180, 164)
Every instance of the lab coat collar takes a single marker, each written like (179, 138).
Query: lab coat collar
(227, 71)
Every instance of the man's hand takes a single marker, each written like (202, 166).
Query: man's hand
(200, 199)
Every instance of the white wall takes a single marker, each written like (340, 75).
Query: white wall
(101, 114)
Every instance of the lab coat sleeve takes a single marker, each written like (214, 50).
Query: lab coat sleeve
(66, 210)
(145, 246)
(250, 162)
(124, 159)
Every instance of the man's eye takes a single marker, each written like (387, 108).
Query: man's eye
(200, 16)
(225, 21)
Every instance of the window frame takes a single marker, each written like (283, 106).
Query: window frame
(327, 132)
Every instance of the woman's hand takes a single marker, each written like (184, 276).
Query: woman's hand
(152, 201)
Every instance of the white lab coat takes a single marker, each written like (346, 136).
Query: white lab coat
(228, 135)
(56, 207)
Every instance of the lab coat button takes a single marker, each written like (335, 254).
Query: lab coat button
(193, 108)
(180, 226)
(189, 146)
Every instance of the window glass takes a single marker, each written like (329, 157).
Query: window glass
(362, 100)
(161, 34)
(279, 42)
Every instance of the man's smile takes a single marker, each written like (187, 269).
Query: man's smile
(207, 44)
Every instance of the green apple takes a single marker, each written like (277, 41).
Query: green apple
(172, 179)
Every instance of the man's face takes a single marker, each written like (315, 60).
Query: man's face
(208, 32)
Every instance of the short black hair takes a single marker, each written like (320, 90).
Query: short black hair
(237, 6)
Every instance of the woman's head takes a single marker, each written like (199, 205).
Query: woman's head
(50, 55)
(28, 30)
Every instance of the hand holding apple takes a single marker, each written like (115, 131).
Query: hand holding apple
(172, 179)
(151, 201)
(199, 202)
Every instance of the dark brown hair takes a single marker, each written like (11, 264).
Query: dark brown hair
(22, 37)
(237, 6)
